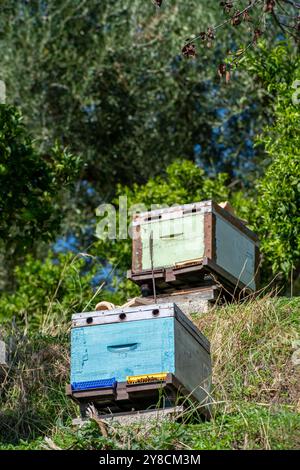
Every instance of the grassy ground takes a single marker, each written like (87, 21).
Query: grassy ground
(256, 388)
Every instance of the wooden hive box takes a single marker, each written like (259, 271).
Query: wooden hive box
(124, 356)
(191, 243)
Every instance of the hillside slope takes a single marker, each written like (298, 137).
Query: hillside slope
(256, 388)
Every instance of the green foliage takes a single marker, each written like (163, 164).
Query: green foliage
(49, 291)
(108, 79)
(30, 185)
(279, 203)
(252, 346)
(32, 397)
(249, 427)
(182, 183)
(278, 192)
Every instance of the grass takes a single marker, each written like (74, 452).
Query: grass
(256, 389)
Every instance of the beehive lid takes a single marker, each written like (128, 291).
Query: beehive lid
(147, 312)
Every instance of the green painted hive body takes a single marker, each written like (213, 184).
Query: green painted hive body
(174, 240)
(186, 235)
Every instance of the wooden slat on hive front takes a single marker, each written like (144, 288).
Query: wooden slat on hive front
(196, 300)
(138, 315)
(138, 387)
(205, 292)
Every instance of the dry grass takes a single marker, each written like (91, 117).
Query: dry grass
(32, 390)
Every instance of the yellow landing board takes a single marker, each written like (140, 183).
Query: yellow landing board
(138, 379)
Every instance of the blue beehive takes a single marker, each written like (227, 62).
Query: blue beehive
(109, 347)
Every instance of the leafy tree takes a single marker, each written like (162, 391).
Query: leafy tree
(279, 208)
(272, 207)
(108, 80)
(30, 186)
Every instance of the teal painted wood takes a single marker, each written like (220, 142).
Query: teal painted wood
(174, 240)
(122, 349)
(235, 252)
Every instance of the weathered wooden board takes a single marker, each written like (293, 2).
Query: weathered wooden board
(123, 314)
(198, 300)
